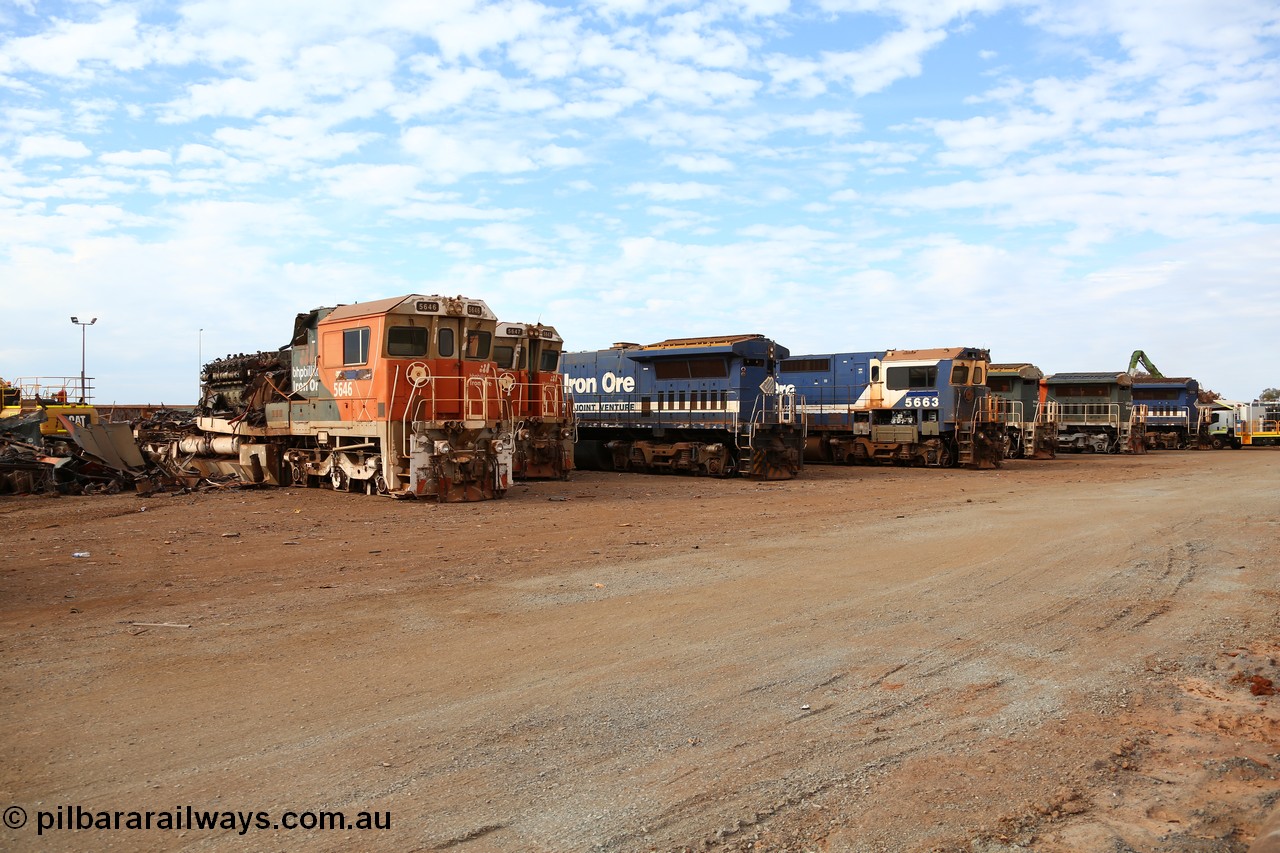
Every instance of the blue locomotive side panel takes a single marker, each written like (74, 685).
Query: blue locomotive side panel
(1170, 409)
(700, 405)
(928, 407)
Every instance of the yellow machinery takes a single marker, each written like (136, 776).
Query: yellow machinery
(1259, 423)
(57, 395)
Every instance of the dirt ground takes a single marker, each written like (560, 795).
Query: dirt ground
(1074, 655)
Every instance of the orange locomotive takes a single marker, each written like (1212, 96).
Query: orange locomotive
(397, 396)
(528, 358)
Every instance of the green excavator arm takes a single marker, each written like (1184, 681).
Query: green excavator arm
(1140, 357)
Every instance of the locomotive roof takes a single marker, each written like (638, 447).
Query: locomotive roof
(1162, 380)
(738, 344)
(937, 352)
(408, 304)
(1091, 378)
(524, 330)
(1020, 369)
(685, 343)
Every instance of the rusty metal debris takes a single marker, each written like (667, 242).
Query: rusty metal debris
(80, 458)
(32, 463)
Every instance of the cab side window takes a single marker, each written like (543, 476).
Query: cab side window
(355, 345)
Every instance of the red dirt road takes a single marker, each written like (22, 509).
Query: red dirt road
(1059, 656)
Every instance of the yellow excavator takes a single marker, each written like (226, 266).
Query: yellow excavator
(55, 395)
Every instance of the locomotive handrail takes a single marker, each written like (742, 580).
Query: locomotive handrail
(1090, 414)
(1011, 412)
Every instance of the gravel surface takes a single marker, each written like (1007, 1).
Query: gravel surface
(1078, 654)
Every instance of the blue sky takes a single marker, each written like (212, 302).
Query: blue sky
(1062, 183)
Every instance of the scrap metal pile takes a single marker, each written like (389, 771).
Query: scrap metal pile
(177, 451)
(31, 463)
(237, 388)
(165, 450)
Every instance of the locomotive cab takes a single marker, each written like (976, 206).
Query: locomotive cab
(396, 396)
(924, 407)
(528, 360)
(1029, 417)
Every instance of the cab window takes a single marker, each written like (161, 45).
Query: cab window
(905, 378)
(960, 374)
(504, 355)
(549, 360)
(407, 341)
(445, 343)
(355, 345)
(478, 344)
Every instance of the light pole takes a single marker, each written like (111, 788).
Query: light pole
(199, 363)
(84, 386)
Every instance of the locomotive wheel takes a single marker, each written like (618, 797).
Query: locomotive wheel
(1216, 444)
(339, 479)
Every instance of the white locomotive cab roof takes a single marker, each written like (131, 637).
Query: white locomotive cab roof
(415, 304)
(528, 330)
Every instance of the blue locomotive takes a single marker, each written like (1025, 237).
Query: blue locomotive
(924, 407)
(1172, 411)
(698, 405)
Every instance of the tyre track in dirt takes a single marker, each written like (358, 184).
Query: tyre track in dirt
(649, 695)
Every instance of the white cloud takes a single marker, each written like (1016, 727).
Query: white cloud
(451, 155)
(52, 146)
(558, 156)
(289, 141)
(201, 154)
(987, 141)
(687, 41)
(486, 27)
(697, 164)
(897, 55)
(67, 47)
(688, 191)
(148, 157)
